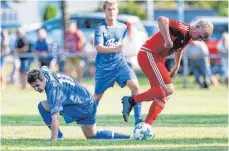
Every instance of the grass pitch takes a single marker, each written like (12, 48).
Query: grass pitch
(193, 119)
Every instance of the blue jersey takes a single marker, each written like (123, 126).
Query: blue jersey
(110, 37)
(63, 91)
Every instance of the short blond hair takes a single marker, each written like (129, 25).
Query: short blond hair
(113, 2)
(206, 26)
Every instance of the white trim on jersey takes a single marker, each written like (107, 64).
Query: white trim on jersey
(185, 27)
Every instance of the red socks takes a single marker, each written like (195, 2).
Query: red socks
(151, 94)
(155, 109)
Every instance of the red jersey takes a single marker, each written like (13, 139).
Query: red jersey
(180, 36)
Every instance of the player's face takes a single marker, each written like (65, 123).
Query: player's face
(111, 11)
(199, 34)
(38, 85)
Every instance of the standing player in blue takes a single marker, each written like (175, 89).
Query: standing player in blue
(110, 64)
(68, 98)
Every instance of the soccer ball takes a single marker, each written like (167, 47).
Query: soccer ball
(143, 131)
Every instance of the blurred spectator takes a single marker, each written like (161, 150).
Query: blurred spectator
(222, 47)
(74, 44)
(5, 50)
(198, 54)
(42, 49)
(132, 44)
(22, 48)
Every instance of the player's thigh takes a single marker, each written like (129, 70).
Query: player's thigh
(45, 105)
(89, 130)
(154, 69)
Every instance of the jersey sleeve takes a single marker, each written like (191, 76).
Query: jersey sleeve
(98, 36)
(177, 28)
(55, 97)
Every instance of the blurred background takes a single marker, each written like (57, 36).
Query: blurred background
(36, 33)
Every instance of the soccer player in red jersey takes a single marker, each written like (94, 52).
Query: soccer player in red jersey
(171, 39)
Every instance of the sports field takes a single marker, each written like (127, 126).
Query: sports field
(193, 119)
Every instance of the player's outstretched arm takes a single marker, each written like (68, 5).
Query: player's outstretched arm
(55, 126)
(104, 49)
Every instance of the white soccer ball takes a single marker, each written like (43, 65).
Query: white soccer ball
(143, 131)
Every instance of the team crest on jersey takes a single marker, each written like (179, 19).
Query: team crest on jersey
(183, 26)
(111, 43)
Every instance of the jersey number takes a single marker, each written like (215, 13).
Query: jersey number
(65, 79)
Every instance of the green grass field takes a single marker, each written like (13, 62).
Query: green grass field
(193, 119)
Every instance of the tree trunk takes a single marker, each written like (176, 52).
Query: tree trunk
(64, 19)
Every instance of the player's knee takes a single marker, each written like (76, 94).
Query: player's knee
(134, 87)
(169, 90)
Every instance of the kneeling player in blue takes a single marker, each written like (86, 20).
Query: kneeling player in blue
(70, 99)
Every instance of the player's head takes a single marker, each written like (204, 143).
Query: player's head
(202, 30)
(110, 8)
(37, 80)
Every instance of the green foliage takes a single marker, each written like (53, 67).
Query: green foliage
(221, 7)
(132, 8)
(50, 12)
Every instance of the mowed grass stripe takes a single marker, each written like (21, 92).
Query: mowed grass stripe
(167, 147)
(116, 120)
(28, 135)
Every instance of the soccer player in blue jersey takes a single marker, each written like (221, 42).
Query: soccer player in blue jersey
(110, 63)
(70, 99)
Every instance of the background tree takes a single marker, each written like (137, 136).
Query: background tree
(129, 7)
(65, 18)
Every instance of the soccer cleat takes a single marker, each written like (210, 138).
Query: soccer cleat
(127, 107)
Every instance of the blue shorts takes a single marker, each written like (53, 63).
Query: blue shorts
(106, 79)
(25, 65)
(81, 115)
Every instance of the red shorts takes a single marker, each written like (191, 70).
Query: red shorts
(154, 68)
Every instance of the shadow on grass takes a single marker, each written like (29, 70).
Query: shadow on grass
(164, 120)
(77, 142)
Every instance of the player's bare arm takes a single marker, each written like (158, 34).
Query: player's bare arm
(104, 49)
(163, 24)
(174, 70)
(55, 126)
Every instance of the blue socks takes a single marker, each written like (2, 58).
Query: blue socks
(47, 118)
(137, 112)
(107, 134)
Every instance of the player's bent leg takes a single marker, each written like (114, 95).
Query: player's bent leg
(89, 130)
(98, 97)
(90, 133)
(134, 87)
(169, 89)
(44, 111)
